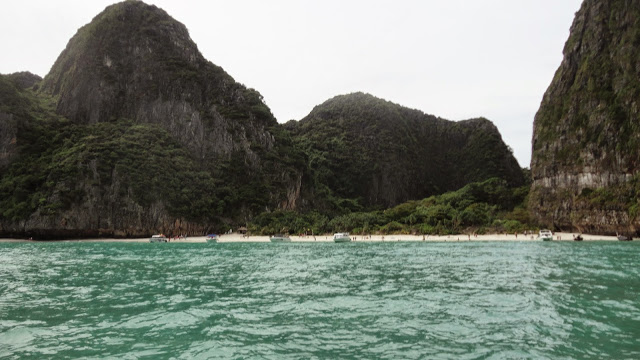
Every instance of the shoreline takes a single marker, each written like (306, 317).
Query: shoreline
(239, 238)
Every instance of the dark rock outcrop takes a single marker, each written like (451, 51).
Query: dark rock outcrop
(382, 154)
(586, 140)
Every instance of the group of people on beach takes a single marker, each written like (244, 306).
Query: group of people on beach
(178, 237)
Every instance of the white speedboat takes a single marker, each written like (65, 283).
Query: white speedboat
(279, 238)
(158, 238)
(212, 238)
(341, 237)
(545, 235)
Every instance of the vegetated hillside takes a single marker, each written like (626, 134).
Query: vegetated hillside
(107, 179)
(134, 132)
(24, 79)
(488, 206)
(367, 152)
(586, 141)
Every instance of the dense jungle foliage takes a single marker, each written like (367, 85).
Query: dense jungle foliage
(488, 206)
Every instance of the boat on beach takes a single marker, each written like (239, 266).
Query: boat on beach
(624, 237)
(578, 238)
(158, 238)
(545, 235)
(212, 238)
(280, 238)
(341, 237)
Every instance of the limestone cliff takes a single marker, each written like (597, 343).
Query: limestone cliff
(133, 132)
(14, 111)
(381, 154)
(586, 139)
(134, 61)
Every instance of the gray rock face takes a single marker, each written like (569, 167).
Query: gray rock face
(8, 138)
(134, 61)
(13, 111)
(587, 131)
(103, 213)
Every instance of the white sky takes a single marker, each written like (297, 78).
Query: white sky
(451, 58)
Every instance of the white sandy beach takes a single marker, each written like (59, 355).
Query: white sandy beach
(229, 238)
(432, 238)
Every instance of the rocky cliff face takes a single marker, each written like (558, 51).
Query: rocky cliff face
(134, 61)
(133, 132)
(145, 136)
(586, 138)
(8, 138)
(14, 105)
(382, 154)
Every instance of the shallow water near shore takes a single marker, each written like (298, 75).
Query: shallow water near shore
(320, 300)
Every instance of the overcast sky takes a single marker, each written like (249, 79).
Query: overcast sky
(451, 58)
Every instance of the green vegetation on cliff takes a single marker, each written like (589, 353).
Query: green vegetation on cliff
(136, 116)
(364, 152)
(62, 163)
(590, 104)
(479, 207)
(586, 139)
(133, 132)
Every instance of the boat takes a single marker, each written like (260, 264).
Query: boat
(280, 238)
(624, 238)
(578, 238)
(212, 238)
(545, 235)
(341, 237)
(158, 238)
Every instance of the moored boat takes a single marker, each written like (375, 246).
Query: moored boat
(212, 238)
(279, 238)
(578, 238)
(624, 238)
(158, 238)
(545, 235)
(341, 237)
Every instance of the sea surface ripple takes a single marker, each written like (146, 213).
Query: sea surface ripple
(404, 300)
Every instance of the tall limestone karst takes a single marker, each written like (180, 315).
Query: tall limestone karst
(586, 141)
(134, 132)
(380, 154)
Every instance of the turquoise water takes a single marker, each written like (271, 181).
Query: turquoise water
(496, 300)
